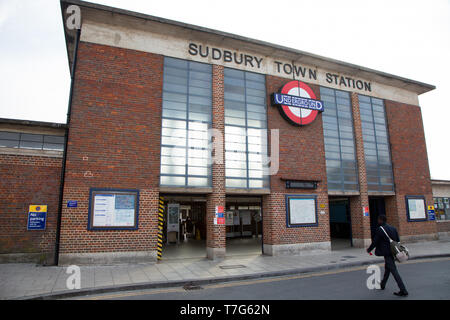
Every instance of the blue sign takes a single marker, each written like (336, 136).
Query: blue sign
(37, 217)
(72, 204)
(431, 215)
(295, 101)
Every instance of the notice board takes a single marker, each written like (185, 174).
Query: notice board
(301, 211)
(416, 208)
(113, 209)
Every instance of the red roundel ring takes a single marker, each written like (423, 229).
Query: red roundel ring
(298, 116)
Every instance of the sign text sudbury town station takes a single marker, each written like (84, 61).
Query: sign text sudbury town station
(288, 68)
(136, 155)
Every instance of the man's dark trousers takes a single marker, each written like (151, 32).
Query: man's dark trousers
(390, 267)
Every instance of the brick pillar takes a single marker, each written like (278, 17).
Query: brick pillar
(392, 212)
(271, 203)
(216, 234)
(360, 224)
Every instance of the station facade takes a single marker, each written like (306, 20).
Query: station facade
(238, 143)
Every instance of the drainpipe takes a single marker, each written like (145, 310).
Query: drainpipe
(66, 138)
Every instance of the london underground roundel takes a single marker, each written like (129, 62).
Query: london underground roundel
(298, 103)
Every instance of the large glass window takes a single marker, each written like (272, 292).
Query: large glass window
(442, 208)
(376, 144)
(342, 174)
(31, 141)
(186, 118)
(245, 129)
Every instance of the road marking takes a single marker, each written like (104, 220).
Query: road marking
(247, 282)
(130, 294)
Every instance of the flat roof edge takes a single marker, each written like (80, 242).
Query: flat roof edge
(425, 86)
(439, 181)
(33, 123)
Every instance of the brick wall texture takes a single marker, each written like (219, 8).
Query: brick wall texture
(443, 226)
(114, 142)
(360, 224)
(410, 166)
(215, 234)
(25, 181)
(302, 157)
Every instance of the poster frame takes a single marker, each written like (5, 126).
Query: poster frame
(94, 191)
(288, 215)
(407, 208)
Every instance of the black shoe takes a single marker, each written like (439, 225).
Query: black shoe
(401, 293)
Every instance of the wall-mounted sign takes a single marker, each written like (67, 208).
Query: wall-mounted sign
(113, 209)
(219, 218)
(72, 204)
(416, 208)
(366, 211)
(431, 213)
(301, 211)
(211, 54)
(37, 217)
(297, 184)
(297, 103)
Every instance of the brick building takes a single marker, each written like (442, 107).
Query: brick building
(245, 144)
(30, 170)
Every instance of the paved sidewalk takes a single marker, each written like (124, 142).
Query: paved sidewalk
(19, 281)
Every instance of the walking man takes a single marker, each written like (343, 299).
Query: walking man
(383, 248)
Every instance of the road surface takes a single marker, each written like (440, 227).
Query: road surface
(424, 279)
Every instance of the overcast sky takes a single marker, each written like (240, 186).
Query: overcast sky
(407, 38)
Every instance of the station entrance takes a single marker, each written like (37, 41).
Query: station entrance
(184, 228)
(377, 207)
(243, 219)
(340, 223)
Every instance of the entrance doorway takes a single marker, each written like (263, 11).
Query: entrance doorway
(184, 233)
(243, 219)
(340, 223)
(376, 207)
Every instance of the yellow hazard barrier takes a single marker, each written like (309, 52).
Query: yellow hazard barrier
(160, 227)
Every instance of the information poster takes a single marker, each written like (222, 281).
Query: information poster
(37, 217)
(219, 218)
(416, 209)
(301, 211)
(114, 210)
(431, 213)
(246, 218)
(173, 213)
(229, 218)
(236, 219)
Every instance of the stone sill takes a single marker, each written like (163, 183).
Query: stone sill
(247, 191)
(185, 190)
(31, 152)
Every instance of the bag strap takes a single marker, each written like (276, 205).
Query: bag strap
(390, 240)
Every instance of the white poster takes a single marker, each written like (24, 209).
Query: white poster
(416, 209)
(246, 218)
(114, 210)
(229, 218)
(302, 211)
(236, 219)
